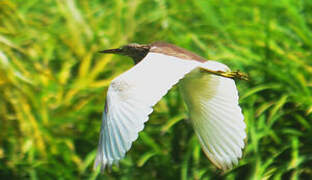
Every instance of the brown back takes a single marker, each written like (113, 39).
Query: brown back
(172, 50)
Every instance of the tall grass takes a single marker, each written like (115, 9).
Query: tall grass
(53, 84)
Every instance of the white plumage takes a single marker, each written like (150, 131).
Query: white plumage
(212, 102)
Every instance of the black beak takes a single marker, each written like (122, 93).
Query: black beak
(112, 51)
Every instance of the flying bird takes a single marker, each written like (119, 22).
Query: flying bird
(207, 88)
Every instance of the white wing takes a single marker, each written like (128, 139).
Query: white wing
(215, 114)
(130, 99)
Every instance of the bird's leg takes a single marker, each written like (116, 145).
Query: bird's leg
(229, 74)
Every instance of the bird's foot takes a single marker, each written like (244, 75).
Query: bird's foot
(233, 74)
(228, 74)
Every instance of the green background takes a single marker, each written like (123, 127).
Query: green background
(53, 85)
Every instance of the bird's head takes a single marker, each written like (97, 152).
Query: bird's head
(136, 51)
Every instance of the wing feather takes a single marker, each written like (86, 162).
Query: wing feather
(130, 98)
(215, 114)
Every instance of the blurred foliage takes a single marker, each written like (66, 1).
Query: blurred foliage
(53, 84)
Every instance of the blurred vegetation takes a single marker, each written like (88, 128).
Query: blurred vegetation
(53, 84)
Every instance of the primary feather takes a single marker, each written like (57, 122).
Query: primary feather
(212, 102)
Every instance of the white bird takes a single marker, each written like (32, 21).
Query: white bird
(206, 86)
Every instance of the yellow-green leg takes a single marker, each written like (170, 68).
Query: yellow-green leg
(229, 74)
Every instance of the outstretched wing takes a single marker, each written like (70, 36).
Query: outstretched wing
(215, 114)
(130, 99)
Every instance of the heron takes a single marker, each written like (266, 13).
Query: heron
(206, 86)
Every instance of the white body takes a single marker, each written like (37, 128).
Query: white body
(212, 102)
